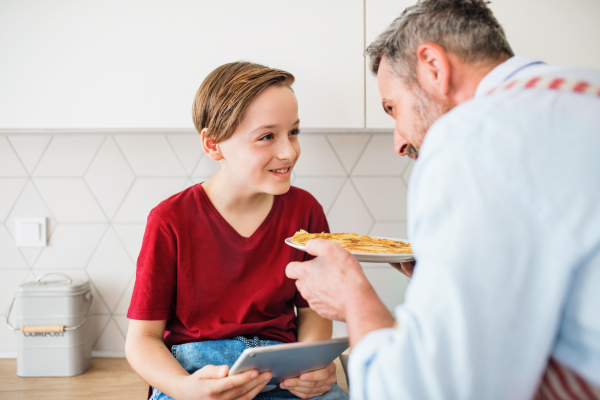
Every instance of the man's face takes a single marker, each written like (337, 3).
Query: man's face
(413, 109)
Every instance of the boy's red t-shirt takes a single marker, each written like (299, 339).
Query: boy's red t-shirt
(209, 282)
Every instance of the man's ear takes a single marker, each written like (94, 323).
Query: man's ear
(433, 69)
(211, 148)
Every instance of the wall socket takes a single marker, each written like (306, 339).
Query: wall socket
(31, 232)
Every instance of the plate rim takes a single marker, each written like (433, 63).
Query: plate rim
(303, 248)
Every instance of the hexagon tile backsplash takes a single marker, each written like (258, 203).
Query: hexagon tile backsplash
(96, 191)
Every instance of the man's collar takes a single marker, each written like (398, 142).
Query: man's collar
(503, 72)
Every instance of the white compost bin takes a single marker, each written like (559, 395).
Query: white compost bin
(53, 333)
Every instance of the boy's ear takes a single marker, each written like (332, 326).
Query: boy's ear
(211, 148)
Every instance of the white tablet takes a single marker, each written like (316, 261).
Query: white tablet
(289, 360)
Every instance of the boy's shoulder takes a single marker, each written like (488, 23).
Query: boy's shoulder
(300, 197)
(172, 206)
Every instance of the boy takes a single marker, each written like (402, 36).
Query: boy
(210, 277)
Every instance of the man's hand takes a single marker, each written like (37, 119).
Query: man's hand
(312, 384)
(212, 382)
(405, 268)
(336, 288)
(327, 281)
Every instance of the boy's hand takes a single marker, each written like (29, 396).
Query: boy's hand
(312, 384)
(212, 382)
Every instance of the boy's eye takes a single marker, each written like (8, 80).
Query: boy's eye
(295, 132)
(267, 137)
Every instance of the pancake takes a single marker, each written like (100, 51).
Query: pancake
(356, 243)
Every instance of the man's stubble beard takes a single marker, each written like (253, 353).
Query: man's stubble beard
(427, 110)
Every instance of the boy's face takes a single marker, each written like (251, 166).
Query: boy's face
(263, 150)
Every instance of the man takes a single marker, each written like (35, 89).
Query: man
(503, 218)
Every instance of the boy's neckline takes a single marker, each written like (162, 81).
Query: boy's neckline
(227, 226)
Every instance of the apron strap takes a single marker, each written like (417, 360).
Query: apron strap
(561, 383)
(550, 83)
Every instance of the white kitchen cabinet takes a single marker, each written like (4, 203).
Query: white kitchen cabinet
(555, 31)
(379, 14)
(138, 63)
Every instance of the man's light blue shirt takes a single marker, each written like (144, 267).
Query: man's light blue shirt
(504, 221)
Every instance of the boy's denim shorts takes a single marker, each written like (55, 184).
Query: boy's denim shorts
(193, 356)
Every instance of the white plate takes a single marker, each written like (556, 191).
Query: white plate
(368, 257)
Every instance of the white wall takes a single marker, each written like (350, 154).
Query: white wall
(96, 191)
(137, 64)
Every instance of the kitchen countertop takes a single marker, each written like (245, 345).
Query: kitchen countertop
(108, 379)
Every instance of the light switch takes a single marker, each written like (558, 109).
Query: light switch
(31, 232)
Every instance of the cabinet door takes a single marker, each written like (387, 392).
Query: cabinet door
(556, 31)
(138, 63)
(379, 14)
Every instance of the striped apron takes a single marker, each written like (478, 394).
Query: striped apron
(558, 382)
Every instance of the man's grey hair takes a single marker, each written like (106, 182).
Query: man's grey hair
(466, 28)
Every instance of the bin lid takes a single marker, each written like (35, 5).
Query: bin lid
(54, 283)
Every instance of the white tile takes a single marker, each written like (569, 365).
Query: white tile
(123, 305)
(10, 165)
(131, 236)
(11, 189)
(150, 155)
(200, 179)
(31, 254)
(317, 158)
(122, 323)
(111, 339)
(109, 177)
(188, 148)
(385, 197)
(349, 148)
(323, 189)
(30, 204)
(145, 194)
(340, 329)
(348, 213)
(98, 306)
(207, 167)
(69, 199)
(29, 148)
(389, 284)
(10, 257)
(8, 338)
(98, 323)
(408, 171)
(188, 184)
(10, 279)
(110, 269)
(68, 155)
(389, 229)
(380, 159)
(71, 246)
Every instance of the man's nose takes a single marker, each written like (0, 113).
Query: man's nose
(400, 144)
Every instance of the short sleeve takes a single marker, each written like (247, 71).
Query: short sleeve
(154, 292)
(318, 223)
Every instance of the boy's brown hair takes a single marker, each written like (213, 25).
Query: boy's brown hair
(227, 91)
